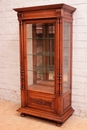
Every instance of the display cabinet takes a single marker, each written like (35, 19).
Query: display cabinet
(46, 61)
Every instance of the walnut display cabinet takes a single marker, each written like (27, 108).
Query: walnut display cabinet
(46, 61)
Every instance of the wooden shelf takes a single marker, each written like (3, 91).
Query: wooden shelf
(42, 87)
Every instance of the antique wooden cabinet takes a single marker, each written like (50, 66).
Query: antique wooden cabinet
(46, 61)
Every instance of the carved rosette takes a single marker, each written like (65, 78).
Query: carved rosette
(40, 102)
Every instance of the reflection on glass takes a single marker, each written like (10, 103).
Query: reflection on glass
(66, 56)
(40, 57)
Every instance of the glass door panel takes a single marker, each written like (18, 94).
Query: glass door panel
(40, 57)
(66, 56)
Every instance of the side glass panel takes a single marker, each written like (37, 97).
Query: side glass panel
(66, 56)
(40, 57)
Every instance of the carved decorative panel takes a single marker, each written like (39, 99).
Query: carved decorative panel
(40, 102)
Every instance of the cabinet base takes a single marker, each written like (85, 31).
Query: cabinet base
(46, 115)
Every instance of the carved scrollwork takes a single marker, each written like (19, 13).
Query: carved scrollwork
(40, 102)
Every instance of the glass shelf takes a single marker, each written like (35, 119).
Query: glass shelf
(43, 69)
(40, 38)
(43, 54)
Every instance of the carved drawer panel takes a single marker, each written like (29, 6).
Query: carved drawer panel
(41, 102)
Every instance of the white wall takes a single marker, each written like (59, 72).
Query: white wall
(9, 51)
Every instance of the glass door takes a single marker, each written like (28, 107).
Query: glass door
(40, 57)
(66, 56)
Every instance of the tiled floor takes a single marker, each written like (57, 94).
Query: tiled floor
(10, 119)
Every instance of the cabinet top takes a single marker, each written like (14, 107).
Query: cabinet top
(46, 7)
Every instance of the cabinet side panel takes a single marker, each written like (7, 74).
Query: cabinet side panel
(66, 101)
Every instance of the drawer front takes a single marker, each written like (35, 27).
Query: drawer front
(41, 101)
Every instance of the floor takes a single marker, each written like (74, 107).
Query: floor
(10, 119)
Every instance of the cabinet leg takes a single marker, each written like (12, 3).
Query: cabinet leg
(22, 114)
(59, 124)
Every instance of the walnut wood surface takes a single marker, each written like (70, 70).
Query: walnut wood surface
(49, 100)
